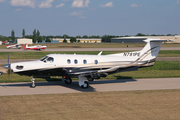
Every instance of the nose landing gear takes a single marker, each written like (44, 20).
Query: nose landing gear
(33, 83)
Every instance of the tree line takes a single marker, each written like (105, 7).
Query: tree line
(37, 38)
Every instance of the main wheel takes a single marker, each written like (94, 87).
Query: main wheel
(68, 80)
(85, 85)
(90, 79)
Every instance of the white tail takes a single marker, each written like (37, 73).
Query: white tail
(148, 53)
(151, 50)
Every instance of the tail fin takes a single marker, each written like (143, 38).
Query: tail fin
(25, 46)
(151, 50)
(7, 46)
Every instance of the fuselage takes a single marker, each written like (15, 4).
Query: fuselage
(36, 47)
(14, 46)
(59, 64)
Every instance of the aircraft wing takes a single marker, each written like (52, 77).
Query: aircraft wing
(114, 69)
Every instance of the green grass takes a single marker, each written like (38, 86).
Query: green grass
(169, 53)
(38, 55)
(164, 65)
(128, 105)
(161, 69)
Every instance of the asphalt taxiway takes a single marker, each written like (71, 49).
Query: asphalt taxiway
(96, 86)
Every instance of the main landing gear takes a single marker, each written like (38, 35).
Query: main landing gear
(67, 79)
(82, 82)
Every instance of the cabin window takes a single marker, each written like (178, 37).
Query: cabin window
(50, 60)
(96, 61)
(69, 61)
(75, 61)
(85, 61)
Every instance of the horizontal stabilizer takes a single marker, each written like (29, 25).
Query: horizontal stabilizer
(158, 40)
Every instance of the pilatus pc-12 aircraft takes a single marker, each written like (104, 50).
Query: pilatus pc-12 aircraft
(88, 67)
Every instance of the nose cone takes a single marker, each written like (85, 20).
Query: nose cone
(7, 66)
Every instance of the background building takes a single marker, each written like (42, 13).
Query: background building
(24, 41)
(82, 40)
(139, 39)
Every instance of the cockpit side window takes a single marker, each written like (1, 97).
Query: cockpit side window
(50, 59)
(47, 59)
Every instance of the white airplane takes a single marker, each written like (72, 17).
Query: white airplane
(36, 47)
(88, 66)
(14, 46)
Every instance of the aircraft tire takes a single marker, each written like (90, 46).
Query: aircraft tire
(90, 79)
(68, 80)
(86, 85)
(33, 86)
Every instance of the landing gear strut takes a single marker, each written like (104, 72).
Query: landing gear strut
(33, 83)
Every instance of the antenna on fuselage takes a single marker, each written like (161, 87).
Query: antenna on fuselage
(100, 53)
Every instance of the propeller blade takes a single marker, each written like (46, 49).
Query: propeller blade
(8, 57)
(9, 69)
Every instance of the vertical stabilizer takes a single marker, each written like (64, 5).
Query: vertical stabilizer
(151, 50)
(25, 46)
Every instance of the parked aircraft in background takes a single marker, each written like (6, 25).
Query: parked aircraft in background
(88, 66)
(14, 46)
(36, 47)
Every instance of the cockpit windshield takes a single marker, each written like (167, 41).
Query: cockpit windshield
(47, 59)
(42, 59)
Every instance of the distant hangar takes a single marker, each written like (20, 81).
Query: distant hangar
(140, 39)
(23, 41)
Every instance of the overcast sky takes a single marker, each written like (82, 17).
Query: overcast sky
(90, 17)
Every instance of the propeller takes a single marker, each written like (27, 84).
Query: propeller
(8, 66)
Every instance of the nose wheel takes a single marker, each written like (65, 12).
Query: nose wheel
(33, 83)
